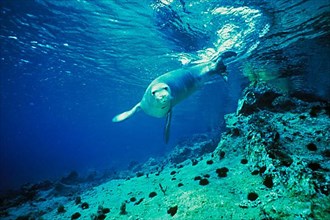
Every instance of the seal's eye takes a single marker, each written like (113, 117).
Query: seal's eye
(153, 93)
(166, 88)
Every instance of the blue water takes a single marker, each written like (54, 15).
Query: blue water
(67, 67)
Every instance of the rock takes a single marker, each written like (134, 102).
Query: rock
(257, 98)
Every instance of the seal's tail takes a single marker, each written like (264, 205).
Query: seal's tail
(220, 67)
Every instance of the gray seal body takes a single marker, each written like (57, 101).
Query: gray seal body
(169, 89)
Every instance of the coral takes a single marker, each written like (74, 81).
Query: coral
(138, 202)
(60, 209)
(99, 217)
(76, 215)
(244, 161)
(285, 141)
(162, 188)
(206, 175)
(193, 148)
(172, 210)
(84, 205)
(252, 196)
(268, 152)
(23, 217)
(105, 210)
(268, 181)
(123, 209)
(315, 110)
(139, 174)
(101, 213)
(152, 194)
(194, 162)
(197, 178)
(311, 147)
(203, 182)
(4, 213)
(298, 180)
(314, 166)
(209, 162)
(222, 154)
(222, 172)
(77, 200)
(326, 153)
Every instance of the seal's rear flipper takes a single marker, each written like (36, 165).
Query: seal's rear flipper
(220, 66)
(167, 127)
(125, 115)
(228, 54)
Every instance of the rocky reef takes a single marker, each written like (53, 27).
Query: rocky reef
(272, 162)
(285, 141)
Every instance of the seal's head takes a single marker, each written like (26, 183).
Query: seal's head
(157, 100)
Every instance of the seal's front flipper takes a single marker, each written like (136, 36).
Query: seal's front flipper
(220, 67)
(125, 115)
(167, 127)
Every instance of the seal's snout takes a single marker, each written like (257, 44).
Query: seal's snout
(161, 93)
(161, 96)
(163, 99)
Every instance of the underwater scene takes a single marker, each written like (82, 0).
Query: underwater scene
(164, 109)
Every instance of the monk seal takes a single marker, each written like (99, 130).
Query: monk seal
(167, 90)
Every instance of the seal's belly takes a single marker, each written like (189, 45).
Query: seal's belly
(156, 112)
(182, 85)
